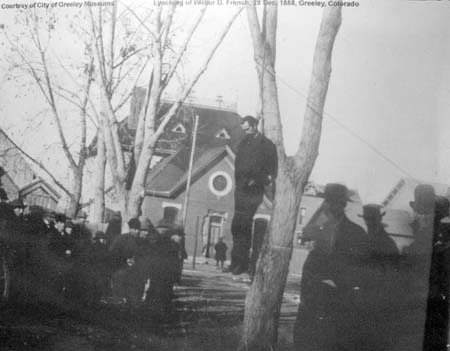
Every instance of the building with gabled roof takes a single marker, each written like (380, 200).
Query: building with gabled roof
(211, 197)
(20, 180)
(16, 168)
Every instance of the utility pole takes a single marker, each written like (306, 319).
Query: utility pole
(191, 162)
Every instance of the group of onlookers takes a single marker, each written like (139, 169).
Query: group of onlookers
(54, 259)
(358, 292)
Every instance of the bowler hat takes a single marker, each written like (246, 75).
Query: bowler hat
(134, 223)
(335, 192)
(424, 198)
(372, 211)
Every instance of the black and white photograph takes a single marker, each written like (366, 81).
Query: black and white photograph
(250, 175)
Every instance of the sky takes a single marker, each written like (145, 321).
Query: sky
(386, 111)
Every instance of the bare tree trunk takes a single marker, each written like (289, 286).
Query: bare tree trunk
(264, 299)
(75, 198)
(100, 168)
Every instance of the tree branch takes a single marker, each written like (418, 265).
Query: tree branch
(312, 125)
(184, 46)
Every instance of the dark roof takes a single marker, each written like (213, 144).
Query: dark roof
(40, 183)
(170, 175)
(212, 121)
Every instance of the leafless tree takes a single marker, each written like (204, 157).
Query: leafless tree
(150, 127)
(32, 54)
(264, 298)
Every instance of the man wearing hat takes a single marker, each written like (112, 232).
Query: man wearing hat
(62, 245)
(384, 251)
(163, 268)
(333, 277)
(437, 322)
(6, 211)
(255, 168)
(124, 251)
(416, 264)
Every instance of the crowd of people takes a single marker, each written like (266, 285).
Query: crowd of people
(55, 260)
(358, 292)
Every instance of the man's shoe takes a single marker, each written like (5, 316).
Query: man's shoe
(238, 270)
(228, 269)
(243, 278)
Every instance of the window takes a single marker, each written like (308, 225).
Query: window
(179, 128)
(171, 211)
(170, 214)
(223, 134)
(220, 183)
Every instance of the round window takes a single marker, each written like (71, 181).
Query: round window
(220, 183)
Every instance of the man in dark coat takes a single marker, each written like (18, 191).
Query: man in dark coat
(6, 211)
(221, 252)
(96, 263)
(333, 279)
(415, 268)
(384, 251)
(255, 167)
(124, 250)
(163, 264)
(62, 245)
(437, 322)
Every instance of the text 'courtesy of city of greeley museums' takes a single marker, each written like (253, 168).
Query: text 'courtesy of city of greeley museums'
(55, 4)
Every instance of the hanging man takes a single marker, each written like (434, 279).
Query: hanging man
(255, 167)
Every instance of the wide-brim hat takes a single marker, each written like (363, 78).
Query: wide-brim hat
(37, 210)
(17, 203)
(372, 211)
(335, 192)
(3, 195)
(59, 217)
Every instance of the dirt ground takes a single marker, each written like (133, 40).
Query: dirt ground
(208, 316)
